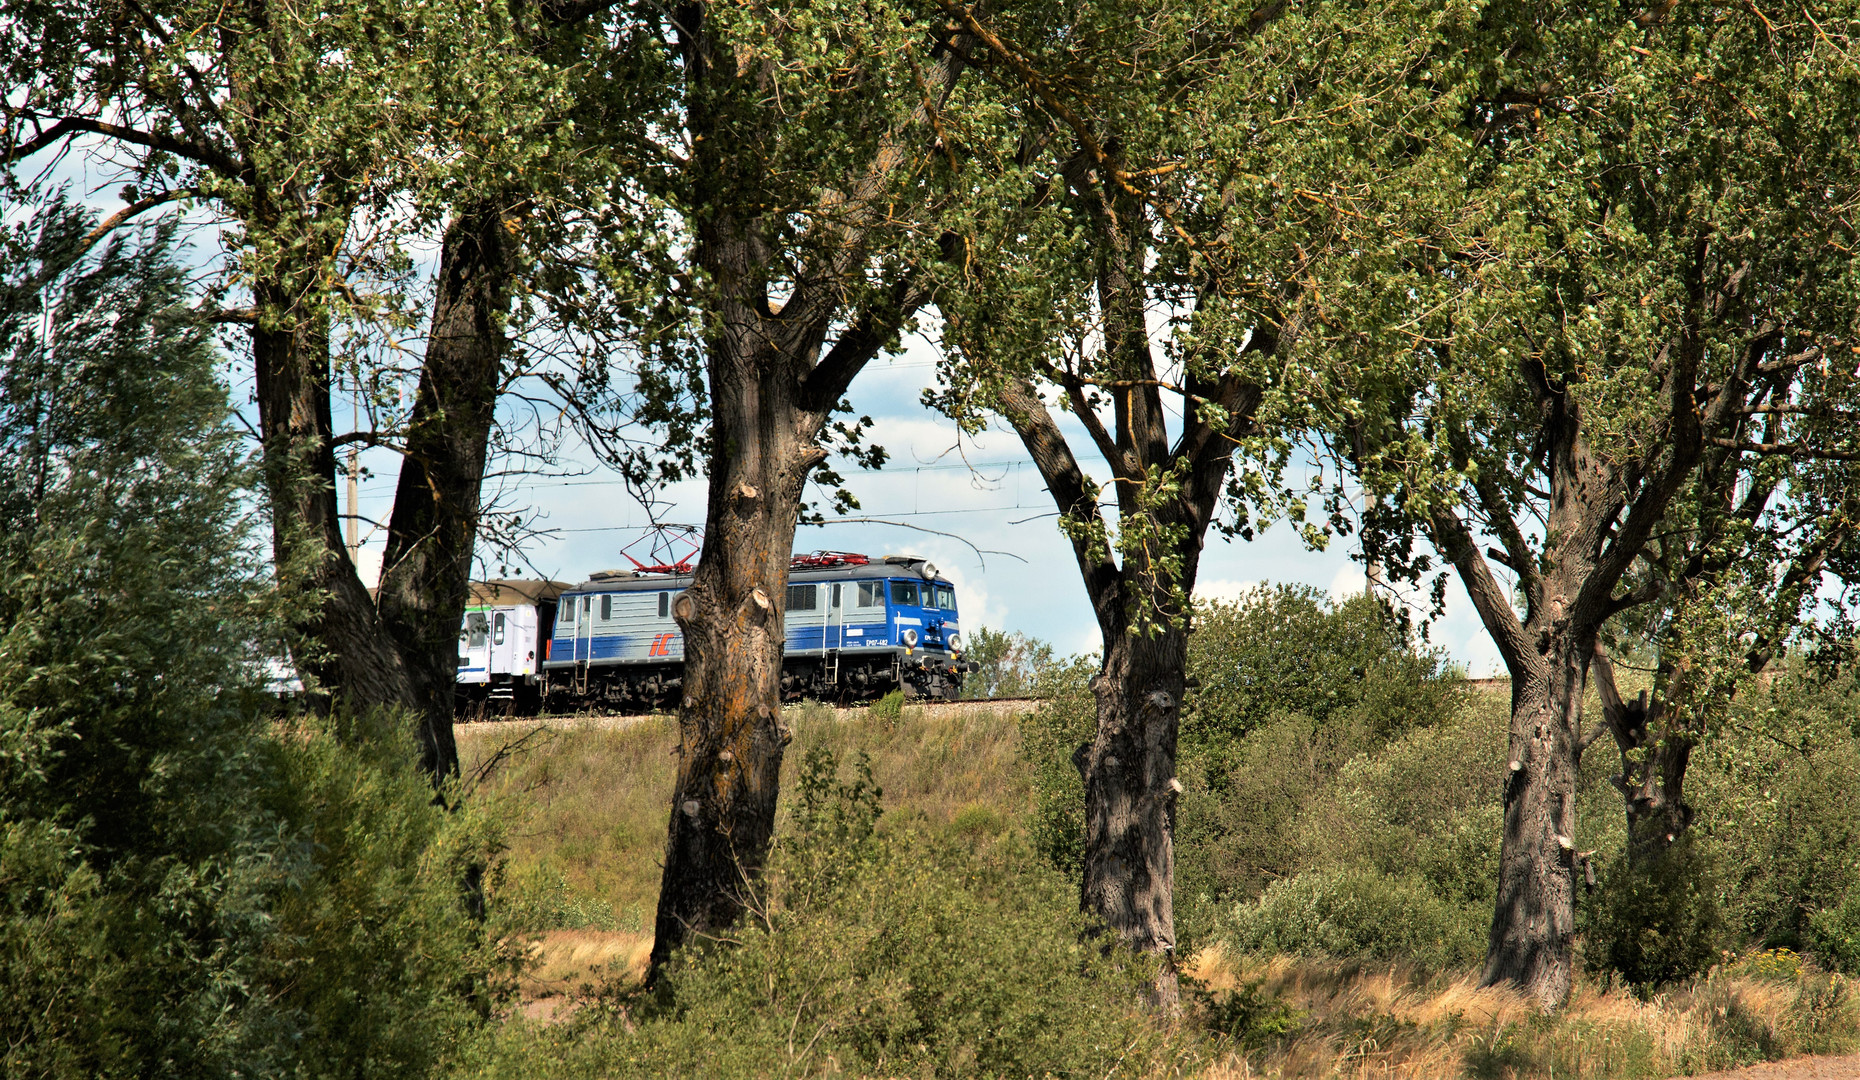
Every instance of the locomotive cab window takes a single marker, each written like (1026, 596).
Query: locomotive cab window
(871, 594)
(904, 592)
(497, 629)
(607, 606)
(803, 597)
(946, 597)
(836, 595)
(475, 628)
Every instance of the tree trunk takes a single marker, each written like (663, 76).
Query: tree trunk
(1130, 795)
(730, 734)
(337, 635)
(426, 571)
(1533, 924)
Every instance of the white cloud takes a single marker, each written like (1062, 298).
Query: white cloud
(1226, 589)
(1347, 582)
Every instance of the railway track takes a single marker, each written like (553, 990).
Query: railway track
(615, 721)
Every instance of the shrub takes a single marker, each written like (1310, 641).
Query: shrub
(876, 953)
(1358, 914)
(1289, 649)
(183, 890)
(1834, 934)
(1656, 921)
(1049, 736)
(889, 707)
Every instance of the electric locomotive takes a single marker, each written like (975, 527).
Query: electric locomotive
(854, 627)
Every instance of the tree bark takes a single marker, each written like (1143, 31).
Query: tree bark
(1533, 923)
(730, 734)
(338, 636)
(426, 570)
(1130, 796)
(1652, 780)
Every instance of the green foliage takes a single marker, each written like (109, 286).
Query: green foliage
(1778, 785)
(888, 708)
(1655, 921)
(1422, 806)
(1834, 934)
(1293, 688)
(1049, 736)
(184, 890)
(1288, 648)
(1250, 1014)
(1361, 914)
(1011, 664)
(915, 956)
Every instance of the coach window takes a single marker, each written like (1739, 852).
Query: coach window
(904, 592)
(497, 629)
(871, 594)
(803, 597)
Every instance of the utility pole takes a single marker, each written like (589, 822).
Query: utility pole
(355, 484)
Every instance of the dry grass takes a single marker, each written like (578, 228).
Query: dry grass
(1387, 1022)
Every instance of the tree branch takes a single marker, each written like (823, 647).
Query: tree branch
(1072, 493)
(1455, 540)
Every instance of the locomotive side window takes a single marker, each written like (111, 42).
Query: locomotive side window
(803, 597)
(836, 595)
(904, 592)
(946, 597)
(497, 629)
(871, 594)
(607, 606)
(665, 604)
(475, 628)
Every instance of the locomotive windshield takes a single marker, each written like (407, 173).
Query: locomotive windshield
(946, 597)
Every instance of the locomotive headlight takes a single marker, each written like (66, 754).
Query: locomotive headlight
(909, 637)
(955, 644)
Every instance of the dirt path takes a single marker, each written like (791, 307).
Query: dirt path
(1846, 1067)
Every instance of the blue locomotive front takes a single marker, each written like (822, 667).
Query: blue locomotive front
(853, 627)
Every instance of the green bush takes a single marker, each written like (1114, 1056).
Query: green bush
(1049, 737)
(1775, 791)
(1424, 806)
(184, 890)
(1657, 921)
(1834, 935)
(1359, 914)
(1290, 649)
(876, 953)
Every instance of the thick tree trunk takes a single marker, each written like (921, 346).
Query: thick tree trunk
(730, 734)
(1130, 795)
(1533, 923)
(426, 572)
(1652, 780)
(338, 639)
